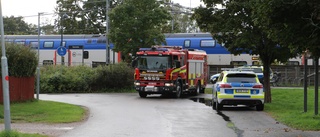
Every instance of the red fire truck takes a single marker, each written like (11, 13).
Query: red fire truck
(170, 70)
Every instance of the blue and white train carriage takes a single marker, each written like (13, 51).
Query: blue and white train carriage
(89, 49)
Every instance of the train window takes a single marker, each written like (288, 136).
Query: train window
(207, 43)
(102, 41)
(48, 44)
(187, 43)
(20, 42)
(47, 62)
(34, 44)
(89, 41)
(238, 63)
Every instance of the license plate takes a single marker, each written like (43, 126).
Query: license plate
(152, 83)
(242, 91)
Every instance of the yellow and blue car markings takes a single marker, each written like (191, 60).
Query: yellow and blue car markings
(231, 93)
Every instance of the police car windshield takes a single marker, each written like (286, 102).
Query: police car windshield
(154, 62)
(241, 78)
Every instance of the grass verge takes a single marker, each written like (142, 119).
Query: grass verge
(44, 112)
(287, 108)
(39, 111)
(17, 134)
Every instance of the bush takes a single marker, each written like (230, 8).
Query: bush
(113, 77)
(63, 79)
(22, 61)
(55, 79)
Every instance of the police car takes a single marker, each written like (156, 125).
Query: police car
(237, 88)
(256, 69)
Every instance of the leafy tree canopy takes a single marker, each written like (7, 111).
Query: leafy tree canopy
(293, 23)
(16, 26)
(135, 24)
(234, 26)
(83, 17)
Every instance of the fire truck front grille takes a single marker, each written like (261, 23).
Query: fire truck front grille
(152, 76)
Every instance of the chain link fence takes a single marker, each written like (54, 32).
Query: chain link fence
(283, 75)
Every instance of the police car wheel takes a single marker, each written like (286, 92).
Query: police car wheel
(260, 107)
(214, 105)
(219, 106)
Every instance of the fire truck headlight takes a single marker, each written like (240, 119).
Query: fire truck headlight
(168, 84)
(149, 78)
(145, 78)
(153, 78)
(137, 83)
(157, 78)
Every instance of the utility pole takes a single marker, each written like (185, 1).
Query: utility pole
(305, 82)
(5, 78)
(107, 32)
(316, 80)
(63, 16)
(38, 68)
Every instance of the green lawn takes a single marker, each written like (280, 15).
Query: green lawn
(41, 112)
(44, 112)
(287, 108)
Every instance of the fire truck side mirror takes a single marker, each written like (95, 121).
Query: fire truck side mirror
(178, 65)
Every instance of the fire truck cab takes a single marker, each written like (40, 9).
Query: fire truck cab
(170, 70)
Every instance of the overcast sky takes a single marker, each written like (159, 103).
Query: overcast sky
(29, 9)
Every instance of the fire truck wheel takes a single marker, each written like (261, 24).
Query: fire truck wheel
(143, 95)
(178, 90)
(198, 88)
(197, 91)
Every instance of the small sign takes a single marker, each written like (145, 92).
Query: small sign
(61, 51)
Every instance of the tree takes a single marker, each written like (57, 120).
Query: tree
(135, 24)
(84, 17)
(16, 26)
(69, 16)
(295, 24)
(181, 19)
(234, 26)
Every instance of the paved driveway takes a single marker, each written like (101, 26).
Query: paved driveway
(128, 115)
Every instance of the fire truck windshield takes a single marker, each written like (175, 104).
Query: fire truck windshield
(154, 62)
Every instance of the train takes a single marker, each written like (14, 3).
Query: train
(90, 49)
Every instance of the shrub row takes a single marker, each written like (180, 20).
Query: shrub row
(84, 79)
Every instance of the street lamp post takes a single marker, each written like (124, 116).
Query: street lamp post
(305, 85)
(64, 16)
(38, 68)
(107, 32)
(5, 78)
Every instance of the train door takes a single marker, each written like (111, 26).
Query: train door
(76, 55)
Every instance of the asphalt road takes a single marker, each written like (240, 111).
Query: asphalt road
(128, 115)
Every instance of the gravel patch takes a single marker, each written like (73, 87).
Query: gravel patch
(52, 130)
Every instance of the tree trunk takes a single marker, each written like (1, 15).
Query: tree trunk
(266, 83)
